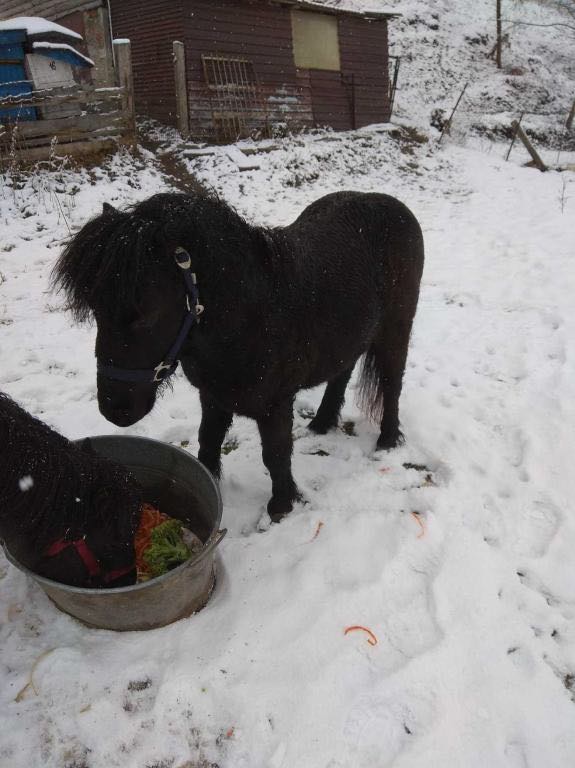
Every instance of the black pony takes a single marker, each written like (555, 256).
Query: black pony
(65, 512)
(281, 310)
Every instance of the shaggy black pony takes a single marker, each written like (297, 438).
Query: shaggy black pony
(281, 310)
(65, 512)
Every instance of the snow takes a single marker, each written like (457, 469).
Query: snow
(354, 6)
(34, 25)
(25, 483)
(62, 47)
(471, 599)
(474, 618)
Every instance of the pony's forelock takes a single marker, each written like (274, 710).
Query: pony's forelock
(100, 264)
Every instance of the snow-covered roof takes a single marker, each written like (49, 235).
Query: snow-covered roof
(41, 47)
(369, 8)
(34, 25)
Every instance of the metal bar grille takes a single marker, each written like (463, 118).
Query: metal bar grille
(237, 103)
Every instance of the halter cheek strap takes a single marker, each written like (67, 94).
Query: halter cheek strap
(89, 559)
(170, 362)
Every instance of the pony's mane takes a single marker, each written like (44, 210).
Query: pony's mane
(101, 265)
(49, 485)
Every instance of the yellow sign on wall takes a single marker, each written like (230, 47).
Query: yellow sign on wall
(315, 41)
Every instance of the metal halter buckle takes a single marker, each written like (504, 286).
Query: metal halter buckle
(159, 376)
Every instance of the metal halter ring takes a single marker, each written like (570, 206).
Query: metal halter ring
(158, 375)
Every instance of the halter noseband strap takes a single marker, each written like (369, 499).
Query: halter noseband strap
(170, 362)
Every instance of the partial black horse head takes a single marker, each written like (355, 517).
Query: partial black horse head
(128, 270)
(285, 309)
(65, 512)
(114, 271)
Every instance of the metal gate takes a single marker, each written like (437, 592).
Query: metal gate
(237, 103)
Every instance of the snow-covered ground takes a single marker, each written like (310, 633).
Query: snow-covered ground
(472, 600)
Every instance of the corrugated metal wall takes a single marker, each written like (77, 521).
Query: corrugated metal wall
(47, 9)
(260, 32)
(365, 64)
(151, 26)
(256, 31)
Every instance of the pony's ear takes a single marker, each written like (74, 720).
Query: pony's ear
(108, 210)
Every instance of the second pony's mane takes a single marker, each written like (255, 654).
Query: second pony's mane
(48, 485)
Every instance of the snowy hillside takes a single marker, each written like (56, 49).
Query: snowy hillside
(444, 44)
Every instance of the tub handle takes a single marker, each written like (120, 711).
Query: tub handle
(216, 540)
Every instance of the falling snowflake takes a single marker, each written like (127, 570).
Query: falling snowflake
(25, 483)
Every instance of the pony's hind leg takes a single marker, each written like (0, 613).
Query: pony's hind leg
(328, 412)
(382, 377)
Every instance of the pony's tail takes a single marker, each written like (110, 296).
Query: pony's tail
(370, 391)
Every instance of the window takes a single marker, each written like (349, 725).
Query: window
(315, 40)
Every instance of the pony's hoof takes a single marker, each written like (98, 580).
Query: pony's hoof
(278, 508)
(387, 442)
(321, 427)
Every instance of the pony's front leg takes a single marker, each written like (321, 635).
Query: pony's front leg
(277, 445)
(213, 427)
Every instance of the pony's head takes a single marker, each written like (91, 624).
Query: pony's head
(97, 550)
(66, 512)
(120, 270)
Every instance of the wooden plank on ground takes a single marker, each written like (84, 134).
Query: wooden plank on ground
(63, 126)
(199, 152)
(262, 147)
(80, 148)
(243, 162)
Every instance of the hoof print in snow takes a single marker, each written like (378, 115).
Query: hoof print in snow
(139, 696)
(305, 412)
(231, 444)
(428, 478)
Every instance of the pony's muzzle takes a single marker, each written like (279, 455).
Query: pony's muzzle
(125, 405)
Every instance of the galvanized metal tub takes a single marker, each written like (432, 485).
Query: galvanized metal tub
(181, 487)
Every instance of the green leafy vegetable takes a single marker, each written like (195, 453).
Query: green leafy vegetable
(167, 548)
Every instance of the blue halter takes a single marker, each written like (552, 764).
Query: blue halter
(170, 362)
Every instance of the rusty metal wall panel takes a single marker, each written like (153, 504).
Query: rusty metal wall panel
(151, 27)
(47, 9)
(259, 32)
(365, 67)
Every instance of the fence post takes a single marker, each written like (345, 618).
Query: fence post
(529, 146)
(447, 126)
(182, 115)
(569, 121)
(123, 59)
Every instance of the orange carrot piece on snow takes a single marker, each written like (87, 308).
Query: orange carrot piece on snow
(317, 530)
(417, 517)
(372, 639)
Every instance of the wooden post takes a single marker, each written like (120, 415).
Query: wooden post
(569, 122)
(393, 87)
(498, 33)
(123, 59)
(182, 114)
(447, 126)
(529, 146)
(514, 136)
